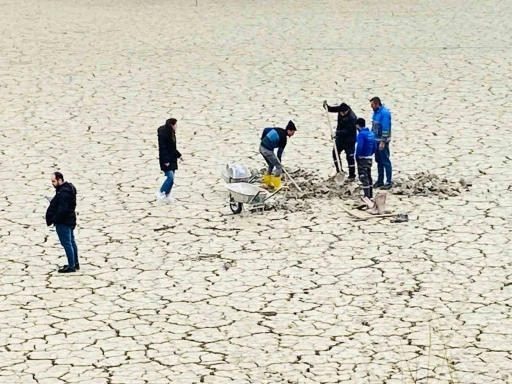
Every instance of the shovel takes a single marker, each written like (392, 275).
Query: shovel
(340, 176)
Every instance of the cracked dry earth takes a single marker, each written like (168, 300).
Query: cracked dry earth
(189, 293)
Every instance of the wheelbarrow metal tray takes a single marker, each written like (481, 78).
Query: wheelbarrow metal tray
(246, 193)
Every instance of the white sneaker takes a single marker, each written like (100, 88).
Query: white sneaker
(170, 199)
(160, 196)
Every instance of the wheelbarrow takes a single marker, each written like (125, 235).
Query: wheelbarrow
(249, 194)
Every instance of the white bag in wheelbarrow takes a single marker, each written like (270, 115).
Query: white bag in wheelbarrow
(237, 171)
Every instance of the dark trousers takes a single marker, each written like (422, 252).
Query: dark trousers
(67, 239)
(349, 149)
(364, 170)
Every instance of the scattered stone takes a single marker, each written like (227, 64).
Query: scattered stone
(401, 218)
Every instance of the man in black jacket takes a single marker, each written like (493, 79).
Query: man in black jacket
(61, 213)
(346, 134)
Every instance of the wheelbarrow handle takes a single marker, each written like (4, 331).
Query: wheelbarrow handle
(273, 193)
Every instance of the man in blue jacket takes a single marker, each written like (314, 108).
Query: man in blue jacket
(381, 128)
(365, 148)
(271, 139)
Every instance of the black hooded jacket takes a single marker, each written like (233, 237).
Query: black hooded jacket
(346, 131)
(62, 207)
(167, 151)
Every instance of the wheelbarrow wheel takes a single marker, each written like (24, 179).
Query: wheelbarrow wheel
(236, 207)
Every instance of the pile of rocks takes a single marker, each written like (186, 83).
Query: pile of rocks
(283, 203)
(314, 187)
(428, 184)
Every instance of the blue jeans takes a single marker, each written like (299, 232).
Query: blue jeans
(67, 239)
(168, 183)
(383, 164)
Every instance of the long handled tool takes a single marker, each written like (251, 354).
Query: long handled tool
(291, 178)
(340, 176)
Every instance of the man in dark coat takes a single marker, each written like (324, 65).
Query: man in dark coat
(346, 134)
(61, 213)
(168, 157)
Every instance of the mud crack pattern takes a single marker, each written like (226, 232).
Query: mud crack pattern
(188, 293)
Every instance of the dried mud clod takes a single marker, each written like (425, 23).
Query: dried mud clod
(429, 184)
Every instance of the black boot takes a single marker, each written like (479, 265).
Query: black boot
(77, 266)
(351, 172)
(67, 270)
